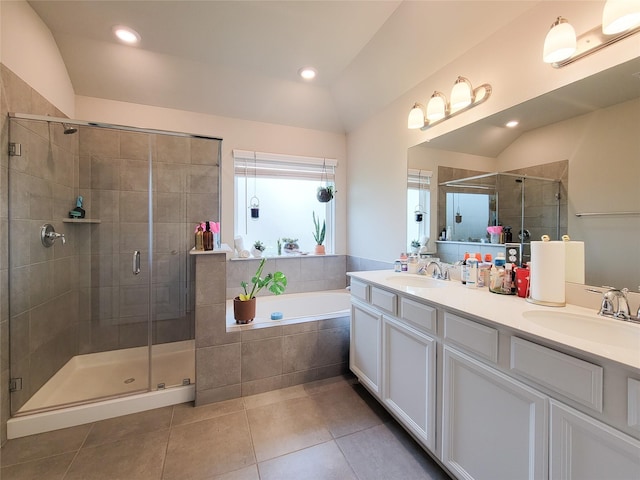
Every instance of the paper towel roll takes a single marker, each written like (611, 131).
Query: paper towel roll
(574, 262)
(547, 277)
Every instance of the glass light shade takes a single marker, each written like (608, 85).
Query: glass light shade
(461, 94)
(416, 117)
(560, 42)
(620, 15)
(436, 107)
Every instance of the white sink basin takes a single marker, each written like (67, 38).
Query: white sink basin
(605, 331)
(415, 281)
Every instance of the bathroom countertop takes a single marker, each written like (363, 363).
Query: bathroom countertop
(608, 338)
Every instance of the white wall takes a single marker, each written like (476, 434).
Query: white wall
(236, 133)
(510, 60)
(27, 47)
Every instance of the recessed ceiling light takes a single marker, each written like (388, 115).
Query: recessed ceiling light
(126, 34)
(308, 73)
(511, 124)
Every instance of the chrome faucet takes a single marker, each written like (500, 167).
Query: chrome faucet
(439, 272)
(615, 304)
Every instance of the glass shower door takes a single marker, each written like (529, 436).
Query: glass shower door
(186, 186)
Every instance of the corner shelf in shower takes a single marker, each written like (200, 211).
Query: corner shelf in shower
(81, 220)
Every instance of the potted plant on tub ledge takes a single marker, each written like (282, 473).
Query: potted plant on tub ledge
(319, 234)
(244, 305)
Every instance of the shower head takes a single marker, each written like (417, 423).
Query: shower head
(69, 129)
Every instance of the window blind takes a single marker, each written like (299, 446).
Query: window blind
(260, 164)
(419, 179)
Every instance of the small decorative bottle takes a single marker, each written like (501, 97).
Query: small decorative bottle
(199, 238)
(207, 237)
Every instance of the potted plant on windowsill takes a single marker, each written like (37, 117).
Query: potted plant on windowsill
(244, 305)
(290, 245)
(415, 246)
(319, 234)
(258, 248)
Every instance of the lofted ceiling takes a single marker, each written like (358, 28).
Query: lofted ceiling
(240, 59)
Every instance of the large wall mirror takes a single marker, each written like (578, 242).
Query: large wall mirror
(593, 127)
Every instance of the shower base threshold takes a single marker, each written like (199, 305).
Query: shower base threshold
(92, 412)
(108, 384)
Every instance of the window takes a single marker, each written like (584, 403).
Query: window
(418, 205)
(283, 189)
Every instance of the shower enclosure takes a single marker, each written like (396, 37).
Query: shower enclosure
(529, 206)
(102, 306)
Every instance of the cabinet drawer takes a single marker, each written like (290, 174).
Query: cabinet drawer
(473, 336)
(569, 376)
(384, 300)
(421, 316)
(360, 290)
(633, 405)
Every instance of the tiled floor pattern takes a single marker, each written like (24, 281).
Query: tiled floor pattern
(331, 429)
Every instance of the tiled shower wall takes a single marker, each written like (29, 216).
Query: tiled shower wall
(42, 279)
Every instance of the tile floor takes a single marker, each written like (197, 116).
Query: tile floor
(331, 429)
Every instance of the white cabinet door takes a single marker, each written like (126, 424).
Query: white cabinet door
(583, 448)
(408, 373)
(365, 346)
(493, 427)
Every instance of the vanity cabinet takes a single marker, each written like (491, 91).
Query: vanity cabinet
(493, 427)
(408, 378)
(490, 401)
(583, 448)
(366, 345)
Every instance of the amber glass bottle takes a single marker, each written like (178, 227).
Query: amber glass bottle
(207, 238)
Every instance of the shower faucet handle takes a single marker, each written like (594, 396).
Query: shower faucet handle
(48, 235)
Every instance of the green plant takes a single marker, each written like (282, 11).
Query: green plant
(258, 245)
(415, 243)
(318, 235)
(276, 283)
(325, 193)
(289, 240)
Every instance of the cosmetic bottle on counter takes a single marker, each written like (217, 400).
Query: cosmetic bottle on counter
(199, 238)
(207, 237)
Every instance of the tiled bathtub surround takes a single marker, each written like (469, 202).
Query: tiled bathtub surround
(234, 364)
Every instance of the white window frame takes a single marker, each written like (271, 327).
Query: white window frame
(249, 163)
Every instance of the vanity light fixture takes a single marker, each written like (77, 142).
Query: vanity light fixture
(620, 19)
(463, 97)
(126, 35)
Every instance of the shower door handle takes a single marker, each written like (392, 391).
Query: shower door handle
(136, 262)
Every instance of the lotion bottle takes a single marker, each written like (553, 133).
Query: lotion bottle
(199, 238)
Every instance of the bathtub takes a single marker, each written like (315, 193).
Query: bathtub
(295, 308)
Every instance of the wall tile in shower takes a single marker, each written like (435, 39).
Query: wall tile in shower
(134, 175)
(99, 142)
(134, 146)
(203, 152)
(170, 208)
(170, 177)
(134, 207)
(105, 173)
(173, 149)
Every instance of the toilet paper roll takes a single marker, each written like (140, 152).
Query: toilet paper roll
(547, 276)
(574, 262)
